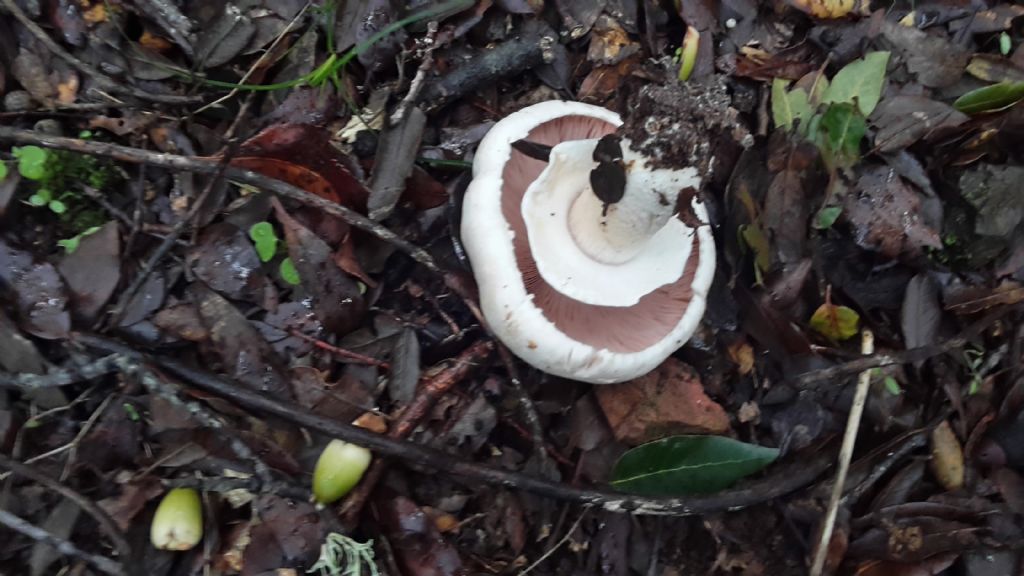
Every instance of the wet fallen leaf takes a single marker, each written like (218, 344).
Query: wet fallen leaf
(337, 300)
(39, 293)
(226, 260)
(669, 400)
(994, 191)
(935, 60)
(418, 545)
(244, 354)
(887, 215)
(947, 457)
(903, 120)
(93, 271)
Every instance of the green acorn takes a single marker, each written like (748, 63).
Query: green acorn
(339, 469)
(178, 522)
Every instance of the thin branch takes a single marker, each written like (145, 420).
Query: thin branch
(66, 548)
(106, 523)
(815, 378)
(100, 78)
(164, 390)
(431, 390)
(59, 377)
(783, 480)
(211, 166)
(867, 346)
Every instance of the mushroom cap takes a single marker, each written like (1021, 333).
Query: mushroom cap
(575, 331)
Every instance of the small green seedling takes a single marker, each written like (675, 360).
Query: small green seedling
(265, 239)
(267, 244)
(71, 244)
(32, 161)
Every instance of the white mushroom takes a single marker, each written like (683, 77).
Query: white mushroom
(598, 286)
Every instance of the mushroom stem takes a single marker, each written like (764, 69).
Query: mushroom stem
(614, 233)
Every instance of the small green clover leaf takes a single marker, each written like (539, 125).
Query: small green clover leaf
(265, 240)
(31, 161)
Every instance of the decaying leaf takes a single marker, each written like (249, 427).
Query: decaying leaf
(835, 322)
(886, 215)
(947, 457)
(830, 9)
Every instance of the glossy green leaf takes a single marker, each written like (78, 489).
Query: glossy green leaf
(835, 322)
(31, 161)
(681, 465)
(58, 207)
(844, 129)
(288, 272)
(990, 98)
(827, 216)
(859, 82)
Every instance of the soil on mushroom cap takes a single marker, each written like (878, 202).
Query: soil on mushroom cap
(678, 124)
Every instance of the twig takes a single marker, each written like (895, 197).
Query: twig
(526, 407)
(60, 377)
(222, 484)
(350, 356)
(106, 524)
(557, 545)
(867, 346)
(421, 74)
(157, 386)
(811, 380)
(431, 390)
(99, 77)
(36, 533)
(167, 243)
(212, 166)
(783, 480)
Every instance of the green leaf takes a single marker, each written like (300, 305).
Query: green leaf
(131, 411)
(859, 82)
(1005, 43)
(31, 161)
(37, 200)
(58, 207)
(789, 107)
(265, 240)
(990, 98)
(757, 241)
(844, 128)
(85, 134)
(835, 322)
(782, 113)
(827, 216)
(688, 465)
(288, 272)
(892, 386)
(70, 244)
(3, 170)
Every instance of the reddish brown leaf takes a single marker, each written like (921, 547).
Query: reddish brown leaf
(303, 155)
(669, 400)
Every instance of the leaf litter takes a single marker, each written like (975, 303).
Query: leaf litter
(878, 192)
